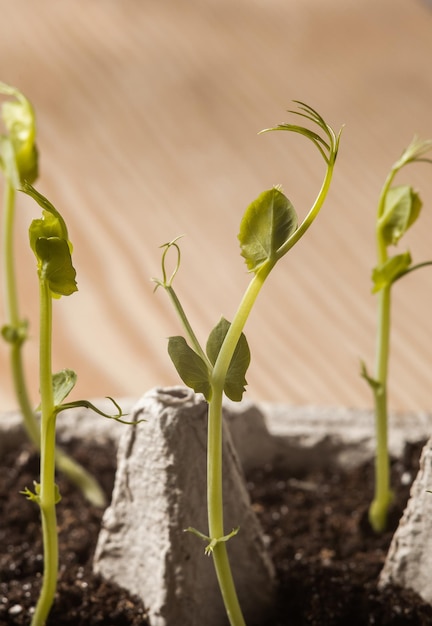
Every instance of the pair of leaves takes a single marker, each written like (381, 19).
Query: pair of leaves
(196, 373)
(402, 206)
(18, 152)
(51, 246)
(266, 226)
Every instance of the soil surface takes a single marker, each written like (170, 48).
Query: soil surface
(327, 558)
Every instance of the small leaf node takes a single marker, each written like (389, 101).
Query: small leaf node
(375, 385)
(32, 495)
(212, 542)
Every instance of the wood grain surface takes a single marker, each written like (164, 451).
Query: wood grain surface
(148, 114)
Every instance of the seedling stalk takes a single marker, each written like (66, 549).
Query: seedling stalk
(398, 209)
(269, 229)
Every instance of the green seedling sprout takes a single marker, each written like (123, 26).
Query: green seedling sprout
(19, 162)
(268, 230)
(52, 248)
(398, 209)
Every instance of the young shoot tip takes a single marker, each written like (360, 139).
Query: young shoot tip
(328, 145)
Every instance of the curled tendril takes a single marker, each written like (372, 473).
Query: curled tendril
(88, 405)
(167, 282)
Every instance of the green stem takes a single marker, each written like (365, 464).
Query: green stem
(48, 490)
(215, 511)
(313, 212)
(16, 325)
(383, 496)
(214, 449)
(8, 256)
(237, 325)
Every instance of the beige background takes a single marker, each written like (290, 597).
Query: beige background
(148, 115)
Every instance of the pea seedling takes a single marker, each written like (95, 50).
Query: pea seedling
(398, 209)
(268, 230)
(19, 162)
(52, 248)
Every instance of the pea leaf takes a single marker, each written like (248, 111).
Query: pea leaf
(19, 157)
(191, 368)
(388, 272)
(63, 383)
(401, 209)
(55, 265)
(266, 225)
(235, 381)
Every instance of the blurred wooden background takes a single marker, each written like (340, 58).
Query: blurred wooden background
(148, 114)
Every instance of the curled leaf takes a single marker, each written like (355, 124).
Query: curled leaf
(55, 265)
(18, 151)
(266, 225)
(52, 223)
(51, 246)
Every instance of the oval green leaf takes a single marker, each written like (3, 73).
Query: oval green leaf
(401, 209)
(266, 226)
(190, 366)
(63, 383)
(235, 381)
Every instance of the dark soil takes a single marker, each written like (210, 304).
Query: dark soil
(327, 559)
